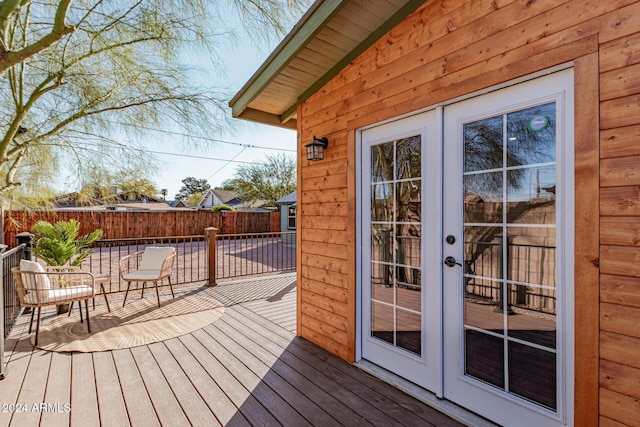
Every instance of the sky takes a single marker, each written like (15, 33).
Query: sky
(216, 158)
(241, 62)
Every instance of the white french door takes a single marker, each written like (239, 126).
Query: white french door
(467, 251)
(508, 195)
(401, 255)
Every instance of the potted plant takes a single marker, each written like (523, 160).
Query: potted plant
(60, 245)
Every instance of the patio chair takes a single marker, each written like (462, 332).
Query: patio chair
(39, 286)
(151, 265)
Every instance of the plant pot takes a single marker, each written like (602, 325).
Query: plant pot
(62, 308)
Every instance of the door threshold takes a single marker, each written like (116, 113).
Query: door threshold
(448, 408)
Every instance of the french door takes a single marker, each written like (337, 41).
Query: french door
(467, 244)
(401, 189)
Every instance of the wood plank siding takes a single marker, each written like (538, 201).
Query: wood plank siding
(452, 48)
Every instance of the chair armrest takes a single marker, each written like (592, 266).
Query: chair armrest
(167, 266)
(124, 265)
(62, 277)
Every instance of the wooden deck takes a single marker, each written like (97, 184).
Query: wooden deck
(246, 368)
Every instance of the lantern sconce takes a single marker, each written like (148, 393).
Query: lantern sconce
(315, 149)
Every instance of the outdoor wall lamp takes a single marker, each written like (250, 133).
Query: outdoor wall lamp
(315, 149)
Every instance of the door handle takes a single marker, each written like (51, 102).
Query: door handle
(451, 261)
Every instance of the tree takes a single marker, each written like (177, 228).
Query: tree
(191, 186)
(267, 181)
(164, 193)
(77, 75)
(194, 199)
(100, 183)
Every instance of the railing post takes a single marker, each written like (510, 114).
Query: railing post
(212, 246)
(27, 239)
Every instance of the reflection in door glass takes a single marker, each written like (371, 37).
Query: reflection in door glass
(510, 252)
(396, 243)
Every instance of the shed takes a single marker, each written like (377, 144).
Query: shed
(288, 217)
(431, 248)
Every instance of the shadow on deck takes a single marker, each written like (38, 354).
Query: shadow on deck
(246, 368)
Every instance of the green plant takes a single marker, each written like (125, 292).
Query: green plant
(59, 244)
(219, 208)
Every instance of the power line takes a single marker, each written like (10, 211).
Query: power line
(173, 154)
(168, 132)
(192, 156)
(225, 165)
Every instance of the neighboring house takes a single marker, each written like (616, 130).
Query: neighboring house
(74, 200)
(177, 203)
(287, 206)
(117, 202)
(131, 196)
(521, 304)
(219, 197)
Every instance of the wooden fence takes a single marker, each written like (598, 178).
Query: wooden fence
(122, 225)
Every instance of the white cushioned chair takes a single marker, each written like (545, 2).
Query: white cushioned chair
(151, 265)
(39, 286)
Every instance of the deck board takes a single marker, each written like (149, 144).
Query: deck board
(58, 391)
(139, 406)
(339, 411)
(248, 368)
(84, 399)
(164, 401)
(218, 402)
(33, 388)
(242, 348)
(186, 394)
(247, 404)
(109, 391)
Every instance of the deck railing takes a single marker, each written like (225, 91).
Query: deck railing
(251, 254)
(9, 303)
(189, 266)
(236, 255)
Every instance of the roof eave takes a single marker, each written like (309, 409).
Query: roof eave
(318, 16)
(309, 25)
(263, 117)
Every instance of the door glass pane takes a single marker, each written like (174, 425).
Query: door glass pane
(483, 307)
(408, 244)
(531, 135)
(531, 255)
(382, 162)
(396, 243)
(510, 264)
(381, 244)
(532, 374)
(408, 330)
(382, 322)
(532, 321)
(408, 158)
(483, 142)
(483, 253)
(483, 197)
(382, 203)
(484, 357)
(408, 201)
(531, 195)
